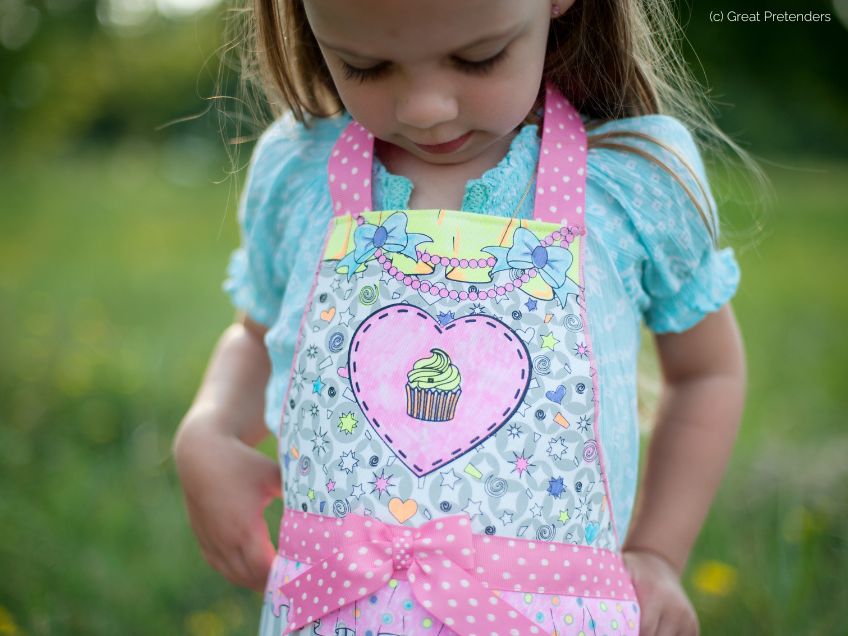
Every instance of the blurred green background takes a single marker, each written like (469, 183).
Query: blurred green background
(115, 230)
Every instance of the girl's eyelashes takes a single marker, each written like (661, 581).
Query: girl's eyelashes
(481, 67)
(364, 74)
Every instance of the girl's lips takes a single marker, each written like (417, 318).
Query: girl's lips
(449, 146)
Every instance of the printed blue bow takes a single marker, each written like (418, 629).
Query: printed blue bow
(391, 236)
(527, 252)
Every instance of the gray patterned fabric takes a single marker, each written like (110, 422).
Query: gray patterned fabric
(537, 476)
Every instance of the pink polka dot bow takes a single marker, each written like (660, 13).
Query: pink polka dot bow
(438, 559)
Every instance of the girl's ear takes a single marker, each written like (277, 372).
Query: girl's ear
(559, 7)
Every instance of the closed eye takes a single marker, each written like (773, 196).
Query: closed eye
(481, 67)
(364, 74)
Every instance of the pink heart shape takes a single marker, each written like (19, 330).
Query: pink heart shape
(494, 366)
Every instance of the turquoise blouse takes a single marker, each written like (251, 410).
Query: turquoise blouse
(648, 253)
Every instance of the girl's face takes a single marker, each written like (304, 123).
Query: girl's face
(445, 80)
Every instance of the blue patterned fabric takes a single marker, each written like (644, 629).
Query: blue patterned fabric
(648, 253)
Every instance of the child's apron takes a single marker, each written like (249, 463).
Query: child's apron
(440, 440)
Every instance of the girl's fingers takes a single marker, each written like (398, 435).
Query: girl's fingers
(649, 622)
(258, 562)
(258, 554)
(228, 562)
(677, 623)
(666, 627)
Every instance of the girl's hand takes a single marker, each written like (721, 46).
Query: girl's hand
(227, 485)
(665, 608)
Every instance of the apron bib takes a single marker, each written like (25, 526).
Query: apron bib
(444, 374)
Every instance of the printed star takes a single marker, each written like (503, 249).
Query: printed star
(318, 385)
(536, 510)
(515, 431)
(445, 317)
(583, 424)
(557, 448)
(311, 494)
(311, 351)
(449, 479)
(549, 342)
(313, 410)
(581, 351)
(348, 423)
(506, 518)
(348, 462)
(531, 304)
(477, 308)
(584, 508)
(556, 487)
(381, 484)
(385, 278)
(299, 378)
(563, 516)
(472, 508)
(346, 317)
(522, 463)
(319, 441)
(336, 284)
(357, 491)
(331, 486)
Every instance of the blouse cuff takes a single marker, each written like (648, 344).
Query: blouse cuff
(711, 286)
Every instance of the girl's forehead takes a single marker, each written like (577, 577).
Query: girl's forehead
(376, 28)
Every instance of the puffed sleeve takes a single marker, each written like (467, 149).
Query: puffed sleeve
(677, 274)
(256, 278)
(287, 159)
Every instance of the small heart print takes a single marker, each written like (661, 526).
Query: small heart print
(403, 510)
(327, 314)
(526, 335)
(592, 531)
(556, 396)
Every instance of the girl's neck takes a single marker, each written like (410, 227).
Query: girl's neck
(437, 186)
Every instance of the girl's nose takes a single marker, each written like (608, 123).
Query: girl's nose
(425, 105)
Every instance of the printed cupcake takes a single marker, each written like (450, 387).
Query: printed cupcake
(432, 390)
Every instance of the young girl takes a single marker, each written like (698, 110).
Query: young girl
(442, 288)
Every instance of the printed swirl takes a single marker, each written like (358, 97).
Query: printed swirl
(573, 322)
(496, 486)
(369, 295)
(435, 372)
(542, 365)
(590, 451)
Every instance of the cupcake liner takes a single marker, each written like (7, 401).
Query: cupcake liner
(431, 405)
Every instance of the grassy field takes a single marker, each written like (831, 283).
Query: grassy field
(110, 302)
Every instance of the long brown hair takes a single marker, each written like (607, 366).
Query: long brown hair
(612, 59)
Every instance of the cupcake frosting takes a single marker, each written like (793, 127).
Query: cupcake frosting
(434, 372)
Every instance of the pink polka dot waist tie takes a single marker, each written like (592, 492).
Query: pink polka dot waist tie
(452, 572)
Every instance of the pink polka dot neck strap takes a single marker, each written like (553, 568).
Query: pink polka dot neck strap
(440, 431)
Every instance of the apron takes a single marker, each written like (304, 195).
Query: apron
(442, 463)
